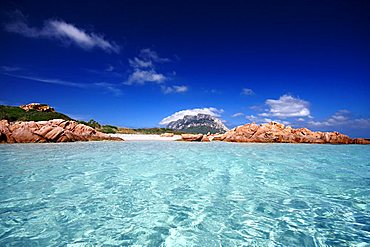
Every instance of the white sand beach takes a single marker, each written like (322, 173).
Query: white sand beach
(140, 137)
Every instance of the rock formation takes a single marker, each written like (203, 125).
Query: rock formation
(167, 135)
(37, 107)
(275, 132)
(192, 137)
(56, 130)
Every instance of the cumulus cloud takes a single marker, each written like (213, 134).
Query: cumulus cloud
(147, 59)
(278, 110)
(261, 120)
(247, 91)
(285, 107)
(140, 63)
(144, 70)
(60, 30)
(142, 76)
(342, 118)
(191, 112)
(251, 118)
(174, 89)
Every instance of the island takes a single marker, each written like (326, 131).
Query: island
(40, 123)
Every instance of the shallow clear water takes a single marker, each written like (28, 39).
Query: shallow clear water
(184, 194)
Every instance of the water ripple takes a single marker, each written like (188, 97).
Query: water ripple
(184, 194)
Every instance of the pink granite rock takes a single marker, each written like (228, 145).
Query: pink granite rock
(275, 132)
(192, 137)
(56, 130)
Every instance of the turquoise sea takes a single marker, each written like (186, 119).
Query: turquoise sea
(184, 194)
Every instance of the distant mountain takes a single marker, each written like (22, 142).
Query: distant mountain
(201, 123)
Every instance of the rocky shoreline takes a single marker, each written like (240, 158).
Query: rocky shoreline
(57, 130)
(276, 133)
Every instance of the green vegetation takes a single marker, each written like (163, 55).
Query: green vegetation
(126, 131)
(92, 123)
(14, 113)
(110, 129)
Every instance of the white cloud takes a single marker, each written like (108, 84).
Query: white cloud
(286, 106)
(338, 118)
(361, 122)
(279, 109)
(251, 118)
(109, 87)
(174, 89)
(282, 121)
(191, 112)
(144, 69)
(247, 91)
(238, 114)
(147, 59)
(261, 120)
(139, 63)
(142, 76)
(49, 80)
(148, 54)
(60, 30)
(342, 118)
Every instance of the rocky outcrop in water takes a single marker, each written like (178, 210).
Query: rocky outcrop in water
(192, 137)
(201, 137)
(56, 130)
(275, 132)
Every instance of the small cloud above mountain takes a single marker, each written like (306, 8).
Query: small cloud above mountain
(198, 120)
(191, 112)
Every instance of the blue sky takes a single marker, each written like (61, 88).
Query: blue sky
(134, 63)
